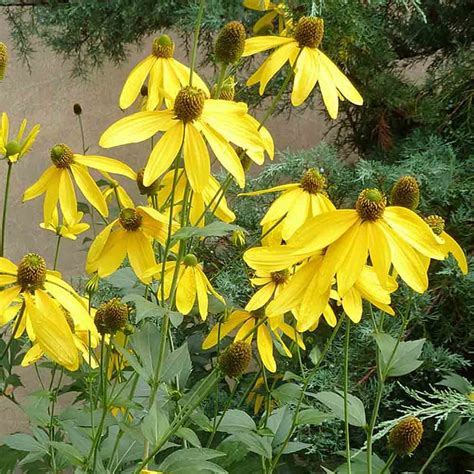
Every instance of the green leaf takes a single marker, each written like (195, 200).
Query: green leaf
(177, 364)
(335, 403)
(280, 424)
(83, 207)
(214, 229)
(189, 461)
(405, 359)
(236, 421)
(295, 446)
(257, 444)
(462, 438)
(359, 465)
(10, 459)
(456, 382)
(315, 354)
(312, 416)
(144, 309)
(126, 280)
(72, 454)
(189, 435)
(287, 393)
(24, 442)
(154, 425)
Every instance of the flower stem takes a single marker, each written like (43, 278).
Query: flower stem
(197, 30)
(346, 394)
(56, 253)
(220, 81)
(5, 207)
(389, 462)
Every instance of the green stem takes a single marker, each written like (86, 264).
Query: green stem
(388, 463)
(56, 253)
(197, 30)
(220, 81)
(439, 447)
(5, 207)
(117, 198)
(54, 395)
(346, 395)
(308, 379)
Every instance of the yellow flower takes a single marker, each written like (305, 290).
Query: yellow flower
(192, 285)
(298, 203)
(258, 395)
(13, 150)
(275, 11)
(84, 341)
(69, 230)
(45, 300)
(115, 189)
(271, 282)
(311, 65)
(260, 5)
(166, 76)
(198, 201)
(193, 121)
(390, 235)
(248, 320)
(57, 183)
(131, 234)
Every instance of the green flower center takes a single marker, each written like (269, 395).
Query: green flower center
(12, 148)
(163, 47)
(371, 204)
(190, 260)
(62, 156)
(313, 182)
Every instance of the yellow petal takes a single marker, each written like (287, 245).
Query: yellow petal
(274, 258)
(453, 247)
(155, 83)
(7, 279)
(183, 73)
(67, 197)
(352, 304)
(155, 224)
(135, 81)
(261, 297)
(113, 254)
(379, 252)
(201, 291)
(52, 196)
(306, 75)
(33, 355)
(164, 152)
(140, 253)
(89, 188)
(258, 44)
(137, 128)
(8, 296)
(220, 330)
(96, 248)
(6, 266)
(186, 292)
(274, 189)
(42, 184)
(341, 81)
(196, 158)
(103, 163)
(328, 91)
(298, 214)
(265, 347)
(246, 331)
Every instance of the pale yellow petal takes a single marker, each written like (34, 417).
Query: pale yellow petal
(140, 253)
(186, 292)
(134, 81)
(196, 158)
(265, 347)
(89, 188)
(67, 197)
(453, 247)
(103, 163)
(258, 44)
(220, 330)
(306, 76)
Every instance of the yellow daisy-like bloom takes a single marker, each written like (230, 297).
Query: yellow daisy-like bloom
(248, 320)
(272, 283)
(449, 245)
(298, 203)
(277, 11)
(198, 201)
(389, 234)
(311, 65)
(14, 149)
(193, 121)
(44, 297)
(131, 234)
(115, 189)
(69, 230)
(166, 76)
(57, 181)
(192, 285)
(84, 341)
(257, 394)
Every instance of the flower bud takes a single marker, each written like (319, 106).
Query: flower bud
(238, 238)
(406, 435)
(3, 60)
(77, 109)
(230, 43)
(111, 316)
(406, 193)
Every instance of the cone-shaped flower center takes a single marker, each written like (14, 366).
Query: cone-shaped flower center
(309, 31)
(130, 219)
(147, 190)
(406, 435)
(235, 359)
(313, 182)
(371, 204)
(406, 193)
(31, 273)
(190, 260)
(230, 43)
(62, 156)
(12, 148)
(280, 277)
(111, 316)
(163, 47)
(189, 103)
(436, 223)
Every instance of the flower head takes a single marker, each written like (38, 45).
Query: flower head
(14, 149)
(69, 167)
(41, 303)
(69, 230)
(165, 75)
(405, 193)
(406, 435)
(230, 43)
(235, 359)
(311, 65)
(111, 316)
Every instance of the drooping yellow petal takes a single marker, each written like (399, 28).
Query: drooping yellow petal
(33, 355)
(135, 81)
(292, 334)
(8, 296)
(137, 128)
(52, 196)
(124, 198)
(67, 197)
(453, 247)
(274, 189)
(258, 44)
(155, 224)
(7, 279)
(312, 305)
(186, 292)
(275, 258)
(414, 230)
(108, 165)
(113, 254)
(140, 253)
(260, 5)
(220, 330)
(298, 213)
(164, 152)
(379, 252)
(222, 212)
(328, 91)
(261, 297)
(265, 347)
(6, 266)
(89, 188)
(183, 72)
(97, 246)
(201, 292)
(246, 331)
(40, 187)
(155, 83)
(352, 304)
(306, 76)
(196, 158)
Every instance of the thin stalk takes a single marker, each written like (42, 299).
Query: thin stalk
(308, 379)
(197, 30)
(249, 388)
(56, 253)
(220, 81)
(5, 207)
(346, 394)
(388, 463)
(51, 419)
